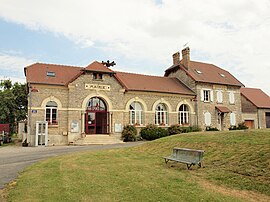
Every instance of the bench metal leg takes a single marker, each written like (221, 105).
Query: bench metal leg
(200, 164)
(166, 161)
(189, 165)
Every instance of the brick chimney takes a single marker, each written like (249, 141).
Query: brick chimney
(176, 58)
(185, 57)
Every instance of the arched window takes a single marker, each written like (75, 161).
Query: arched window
(51, 113)
(96, 104)
(183, 115)
(161, 115)
(135, 113)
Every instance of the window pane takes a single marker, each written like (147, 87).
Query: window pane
(135, 113)
(138, 106)
(51, 104)
(96, 104)
(48, 114)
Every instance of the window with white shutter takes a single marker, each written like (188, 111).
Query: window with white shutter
(211, 95)
(202, 95)
(219, 96)
(207, 118)
(233, 119)
(206, 95)
(231, 98)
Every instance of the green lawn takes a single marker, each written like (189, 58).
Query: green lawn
(236, 168)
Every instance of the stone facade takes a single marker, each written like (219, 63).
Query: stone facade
(220, 121)
(210, 95)
(250, 113)
(72, 102)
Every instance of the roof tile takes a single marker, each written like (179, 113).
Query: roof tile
(140, 82)
(98, 67)
(37, 73)
(204, 72)
(259, 98)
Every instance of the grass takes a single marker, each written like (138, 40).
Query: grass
(236, 168)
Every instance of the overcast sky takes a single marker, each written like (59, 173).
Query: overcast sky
(139, 35)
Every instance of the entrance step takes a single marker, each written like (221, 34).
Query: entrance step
(99, 139)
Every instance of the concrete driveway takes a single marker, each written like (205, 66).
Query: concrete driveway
(13, 159)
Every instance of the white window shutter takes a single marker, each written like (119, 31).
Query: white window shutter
(211, 95)
(232, 119)
(202, 95)
(231, 98)
(207, 118)
(219, 96)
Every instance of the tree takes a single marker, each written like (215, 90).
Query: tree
(13, 103)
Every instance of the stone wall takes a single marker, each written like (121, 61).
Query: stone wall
(262, 117)
(247, 106)
(201, 107)
(184, 78)
(72, 102)
(36, 112)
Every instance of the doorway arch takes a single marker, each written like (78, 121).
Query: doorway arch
(96, 116)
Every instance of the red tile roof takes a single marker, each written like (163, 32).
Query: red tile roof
(98, 67)
(256, 96)
(209, 73)
(139, 82)
(37, 73)
(223, 109)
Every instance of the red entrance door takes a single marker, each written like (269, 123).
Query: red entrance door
(96, 117)
(96, 122)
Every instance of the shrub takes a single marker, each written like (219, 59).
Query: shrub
(177, 129)
(241, 126)
(211, 129)
(129, 133)
(233, 128)
(174, 129)
(152, 132)
(195, 129)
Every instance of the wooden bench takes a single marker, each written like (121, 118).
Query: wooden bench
(188, 156)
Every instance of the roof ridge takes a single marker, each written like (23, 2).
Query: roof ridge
(252, 88)
(142, 74)
(55, 65)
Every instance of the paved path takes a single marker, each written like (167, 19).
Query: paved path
(13, 159)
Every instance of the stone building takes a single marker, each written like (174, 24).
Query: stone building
(77, 101)
(255, 108)
(218, 100)
(71, 104)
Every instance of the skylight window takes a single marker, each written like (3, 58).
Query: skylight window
(198, 71)
(222, 75)
(51, 74)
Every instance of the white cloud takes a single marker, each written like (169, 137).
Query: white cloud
(11, 66)
(232, 34)
(13, 79)
(13, 63)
